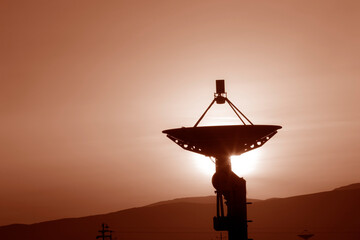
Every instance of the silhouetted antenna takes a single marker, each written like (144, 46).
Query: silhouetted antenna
(220, 143)
(105, 233)
(305, 235)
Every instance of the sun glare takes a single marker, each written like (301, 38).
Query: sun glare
(204, 164)
(242, 165)
(245, 164)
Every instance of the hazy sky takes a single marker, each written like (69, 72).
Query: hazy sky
(88, 86)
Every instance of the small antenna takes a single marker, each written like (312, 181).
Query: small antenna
(103, 231)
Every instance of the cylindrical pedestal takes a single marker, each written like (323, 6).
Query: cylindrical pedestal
(233, 188)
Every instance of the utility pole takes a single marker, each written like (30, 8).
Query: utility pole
(105, 233)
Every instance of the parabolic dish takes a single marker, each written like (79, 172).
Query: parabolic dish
(222, 140)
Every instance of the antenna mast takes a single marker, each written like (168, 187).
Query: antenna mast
(104, 231)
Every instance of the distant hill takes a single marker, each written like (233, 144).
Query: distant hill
(349, 187)
(331, 215)
(204, 200)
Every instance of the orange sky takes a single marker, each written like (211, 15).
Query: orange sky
(88, 86)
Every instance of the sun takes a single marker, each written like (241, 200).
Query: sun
(242, 165)
(245, 164)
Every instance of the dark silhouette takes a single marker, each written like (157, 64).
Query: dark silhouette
(221, 142)
(305, 235)
(190, 218)
(330, 215)
(105, 233)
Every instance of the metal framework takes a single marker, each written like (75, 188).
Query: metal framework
(105, 233)
(220, 98)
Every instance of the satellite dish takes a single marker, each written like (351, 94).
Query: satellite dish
(216, 141)
(221, 142)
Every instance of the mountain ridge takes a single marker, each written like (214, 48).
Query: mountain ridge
(330, 215)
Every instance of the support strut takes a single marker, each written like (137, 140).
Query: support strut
(233, 107)
(233, 189)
